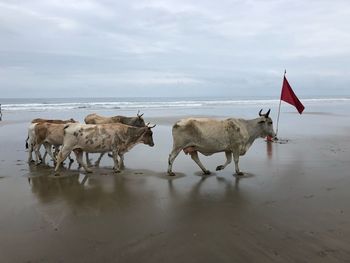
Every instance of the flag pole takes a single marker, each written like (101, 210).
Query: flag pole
(279, 107)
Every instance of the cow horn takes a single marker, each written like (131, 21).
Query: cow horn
(266, 115)
(138, 114)
(148, 123)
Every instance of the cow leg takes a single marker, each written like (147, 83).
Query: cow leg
(97, 163)
(121, 156)
(40, 157)
(37, 154)
(30, 151)
(48, 150)
(194, 156)
(228, 161)
(70, 165)
(62, 155)
(88, 160)
(116, 163)
(57, 149)
(43, 159)
(29, 146)
(71, 160)
(79, 156)
(236, 159)
(174, 153)
(121, 164)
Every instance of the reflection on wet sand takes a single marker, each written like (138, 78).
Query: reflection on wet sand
(77, 188)
(135, 188)
(269, 149)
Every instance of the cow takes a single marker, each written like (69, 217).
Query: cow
(31, 135)
(100, 138)
(48, 134)
(37, 120)
(132, 121)
(209, 136)
(93, 118)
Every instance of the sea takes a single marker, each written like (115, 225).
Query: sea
(322, 115)
(154, 105)
(246, 107)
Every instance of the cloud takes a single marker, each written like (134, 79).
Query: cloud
(236, 47)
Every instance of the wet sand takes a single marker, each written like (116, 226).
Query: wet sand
(291, 206)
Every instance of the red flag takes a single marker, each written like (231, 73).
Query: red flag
(289, 96)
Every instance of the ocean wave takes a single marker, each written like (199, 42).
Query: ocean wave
(155, 104)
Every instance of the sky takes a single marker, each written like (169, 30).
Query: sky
(114, 48)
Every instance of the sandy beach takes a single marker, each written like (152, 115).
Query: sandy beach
(291, 206)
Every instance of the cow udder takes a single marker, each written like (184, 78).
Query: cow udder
(189, 150)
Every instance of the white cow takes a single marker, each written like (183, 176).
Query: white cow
(100, 138)
(209, 136)
(93, 118)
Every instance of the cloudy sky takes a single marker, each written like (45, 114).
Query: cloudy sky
(68, 48)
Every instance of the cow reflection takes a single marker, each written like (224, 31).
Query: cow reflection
(47, 188)
(90, 192)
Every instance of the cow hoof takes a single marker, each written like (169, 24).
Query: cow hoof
(206, 172)
(171, 174)
(239, 173)
(97, 164)
(220, 167)
(117, 171)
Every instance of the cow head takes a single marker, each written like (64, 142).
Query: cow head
(147, 137)
(72, 120)
(138, 120)
(265, 125)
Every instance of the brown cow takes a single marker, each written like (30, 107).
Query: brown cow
(32, 136)
(37, 120)
(132, 121)
(47, 134)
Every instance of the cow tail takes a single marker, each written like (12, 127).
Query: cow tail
(64, 128)
(27, 145)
